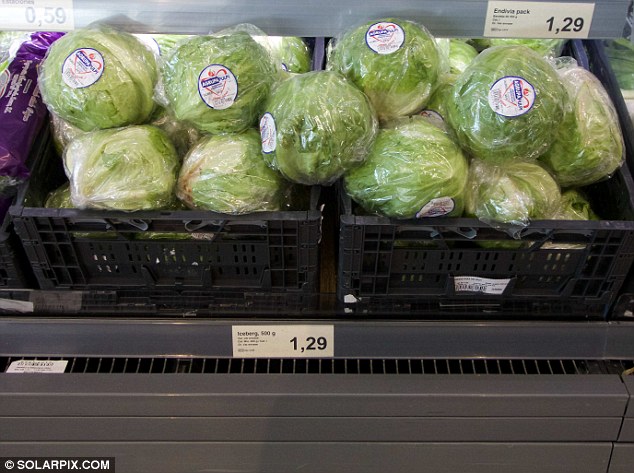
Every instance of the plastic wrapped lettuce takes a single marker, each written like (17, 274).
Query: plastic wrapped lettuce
(508, 197)
(9, 43)
(289, 52)
(98, 77)
(575, 206)
(589, 143)
(396, 63)
(544, 47)
(59, 198)
(161, 44)
(182, 135)
(226, 174)
(218, 83)
(316, 127)
(63, 132)
(133, 168)
(507, 105)
(436, 110)
(459, 54)
(620, 53)
(413, 170)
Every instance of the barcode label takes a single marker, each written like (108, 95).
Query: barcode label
(480, 285)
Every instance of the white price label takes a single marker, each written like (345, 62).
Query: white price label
(511, 19)
(37, 15)
(283, 341)
(37, 366)
(482, 285)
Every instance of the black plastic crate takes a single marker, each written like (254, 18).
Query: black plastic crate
(94, 249)
(569, 268)
(15, 271)
(422, 267)
(160, 303)
(600, 66)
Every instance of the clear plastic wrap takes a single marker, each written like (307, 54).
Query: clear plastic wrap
(63, 133)
(508, 197)
(133, 168)
(161, 44)
(59, 198)
(459, 54)
(182, 135)
(575, 206)
(548, 48)
(589, 144)
(395, 62)
(288, 52)
(22, 111)
(226, 174)
(620, 53)
(436, 110)
(99, 77)
(9, 43)
(316, 126)
(507, 105)
(413, 170)
(217, 83)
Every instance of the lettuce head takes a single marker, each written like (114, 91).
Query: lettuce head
(226, 174)
(589, 143)
(132, 168)
(414, 170)
(507, 105)
(289, 52)
(98, 77)
(316, 126)
(511, 195)
(396, 63)
(218, 83)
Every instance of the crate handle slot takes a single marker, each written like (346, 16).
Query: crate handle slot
(195, 225)
(109, 226)
(137, 223)
(469, 233)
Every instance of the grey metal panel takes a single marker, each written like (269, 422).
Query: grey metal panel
(212, 338)
(310, 18)
(627, 430)
(622, 460)
(336, 457)
(309, 429)
(629, 384)
(312, 395)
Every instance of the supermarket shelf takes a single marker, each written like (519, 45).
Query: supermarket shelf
(309, 18)
(128, 337)
(343, 457)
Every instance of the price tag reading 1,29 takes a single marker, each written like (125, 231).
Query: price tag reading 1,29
(517, 19)
(37, 15)
(283, 341)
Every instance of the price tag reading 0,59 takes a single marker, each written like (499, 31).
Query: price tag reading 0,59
(47, 16)
(44, 15)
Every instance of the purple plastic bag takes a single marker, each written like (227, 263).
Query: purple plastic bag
(22, 112)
